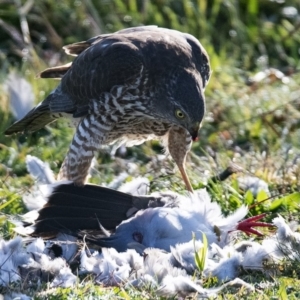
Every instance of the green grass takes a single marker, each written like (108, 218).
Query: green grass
(236, 133)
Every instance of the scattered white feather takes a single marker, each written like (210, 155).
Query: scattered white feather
(39, 170)
(255, 256)
(45, 183)
(164, 236)
(90, 264)
(21, 95)
(15, 296)
(65, 278)
(157, 264)
(118, 181)
(46, 264)
(11, 256)
(38, 197)
(139, 186)
(17, 261)
(226, 269)
(253, 184)
(183, 286)
(286, 242)
(183, 255)
(108, 270)
(37, 246)
(68, 245)
(24, 231)
(30, 217)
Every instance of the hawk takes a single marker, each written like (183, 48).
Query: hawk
(127, 87)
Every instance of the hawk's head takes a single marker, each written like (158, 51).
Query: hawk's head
(182, 103)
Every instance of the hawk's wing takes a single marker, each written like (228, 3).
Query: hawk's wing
(107, 63)
(200, 57)
(77, 48)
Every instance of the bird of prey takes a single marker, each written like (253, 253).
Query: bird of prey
(127, 87)
(159, 220)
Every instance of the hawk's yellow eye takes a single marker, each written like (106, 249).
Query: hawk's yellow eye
(179, 114)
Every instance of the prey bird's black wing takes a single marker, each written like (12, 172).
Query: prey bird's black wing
(71, 209)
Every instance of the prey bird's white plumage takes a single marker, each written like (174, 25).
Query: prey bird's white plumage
(149, 243)
(163, 227)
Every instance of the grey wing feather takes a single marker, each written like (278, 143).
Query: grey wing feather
(35, 119)
(55, 72)
(77, 48)
(200, 58)
(61, 102)
(105, 64)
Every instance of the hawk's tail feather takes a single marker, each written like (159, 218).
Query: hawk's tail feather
(71, 208)
(35, 119)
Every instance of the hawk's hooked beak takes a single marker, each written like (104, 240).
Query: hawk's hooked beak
(194, 131)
